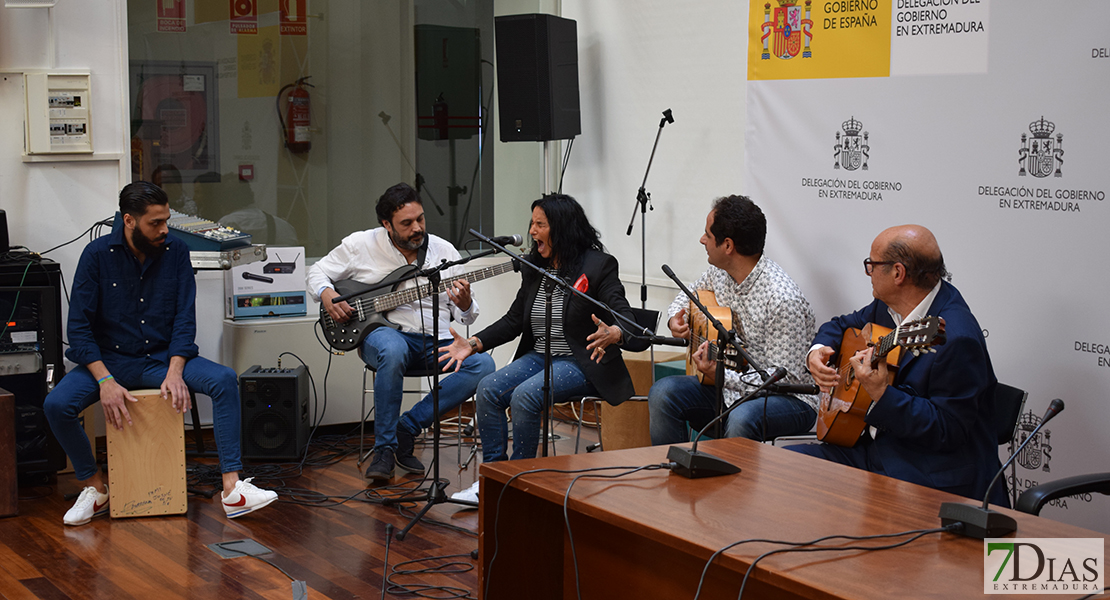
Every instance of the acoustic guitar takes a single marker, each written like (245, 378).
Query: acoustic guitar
(370, 308)
(840, 416)
(701, 330)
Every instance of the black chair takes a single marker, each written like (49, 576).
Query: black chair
(1009, 402)
(1033, 499)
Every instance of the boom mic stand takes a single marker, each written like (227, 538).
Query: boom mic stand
(557, 281)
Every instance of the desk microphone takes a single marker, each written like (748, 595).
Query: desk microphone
(979, 521)
(695, 465)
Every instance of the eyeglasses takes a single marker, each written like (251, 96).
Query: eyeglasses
(869, 265)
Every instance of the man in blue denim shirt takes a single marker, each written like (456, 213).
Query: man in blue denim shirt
(132, 324)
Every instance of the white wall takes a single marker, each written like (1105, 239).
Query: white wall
(49, 203)
(636, 59)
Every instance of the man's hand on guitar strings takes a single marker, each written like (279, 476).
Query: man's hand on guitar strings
(459, 294)
(701, 360)
(341, 311)
(825, 376)
(872, 380)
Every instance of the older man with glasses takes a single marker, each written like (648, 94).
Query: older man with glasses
(931, 421)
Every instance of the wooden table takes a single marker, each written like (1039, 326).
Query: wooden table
(649, 535)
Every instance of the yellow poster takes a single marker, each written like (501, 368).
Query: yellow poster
(817, 39)
(259, 63)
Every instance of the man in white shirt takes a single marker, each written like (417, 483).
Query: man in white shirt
(368, 257)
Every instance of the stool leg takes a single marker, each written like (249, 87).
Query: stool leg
(198, 439)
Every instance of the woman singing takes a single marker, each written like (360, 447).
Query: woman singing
(585, 342)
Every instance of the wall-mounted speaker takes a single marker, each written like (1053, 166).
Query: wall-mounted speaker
(537, 78)
(275, 412)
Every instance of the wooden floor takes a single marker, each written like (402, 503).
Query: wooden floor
(335, 545)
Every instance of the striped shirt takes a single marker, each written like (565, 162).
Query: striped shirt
(559, 345)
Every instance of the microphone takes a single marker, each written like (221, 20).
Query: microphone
(669, 341)
(695, 465)
(670, 273)
(508, 240)
(667, 118)
(979, 521)
(254, 277)
(805, 389)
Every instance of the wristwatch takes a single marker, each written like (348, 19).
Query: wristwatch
(473, 343)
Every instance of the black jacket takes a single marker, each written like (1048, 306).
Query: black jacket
(610, 376)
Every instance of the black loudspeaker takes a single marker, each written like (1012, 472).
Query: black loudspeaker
(537, 78)
(275, 412)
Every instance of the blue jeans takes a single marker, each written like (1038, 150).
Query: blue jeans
(675, 401)
(391, 353)
(78, 390)
(520, 385)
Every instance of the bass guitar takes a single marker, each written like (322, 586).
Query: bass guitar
(370, 308)
(840, 415)
(701, 330)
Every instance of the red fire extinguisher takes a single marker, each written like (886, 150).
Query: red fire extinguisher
(296, 121)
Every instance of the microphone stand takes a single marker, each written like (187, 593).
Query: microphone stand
(435, 494)
(695, 465)
(980, 522)
(558, 281)
(643, 200)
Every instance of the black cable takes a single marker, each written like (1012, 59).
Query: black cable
(424, 590)
(1099, 593)
(87, 231)
(509, 483)
(566, 160)
(714, 556)
(919, 534)
(566, 512)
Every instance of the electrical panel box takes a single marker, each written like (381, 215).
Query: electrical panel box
(59, 115)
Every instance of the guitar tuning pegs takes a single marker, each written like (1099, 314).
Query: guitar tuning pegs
(933, 350)
(916, 352)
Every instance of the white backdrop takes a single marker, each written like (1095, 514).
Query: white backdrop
(944, 111)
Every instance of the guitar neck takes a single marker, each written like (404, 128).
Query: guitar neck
(392, 300)
(886, 343)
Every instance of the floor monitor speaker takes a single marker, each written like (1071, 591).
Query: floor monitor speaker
(275, 412)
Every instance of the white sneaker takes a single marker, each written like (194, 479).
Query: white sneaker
(90, 503)
(470, 494)
(246, 498)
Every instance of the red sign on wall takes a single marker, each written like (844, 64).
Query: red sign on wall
(244, 17)
(171, 16)
(294, 21)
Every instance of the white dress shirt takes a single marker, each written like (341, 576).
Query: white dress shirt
(368, 256)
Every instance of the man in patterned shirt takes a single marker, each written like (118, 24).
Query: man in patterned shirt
(773, 320)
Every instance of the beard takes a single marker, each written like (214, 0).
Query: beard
(147, 246)
(412, 242)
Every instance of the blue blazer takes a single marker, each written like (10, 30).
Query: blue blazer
(937, 423)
